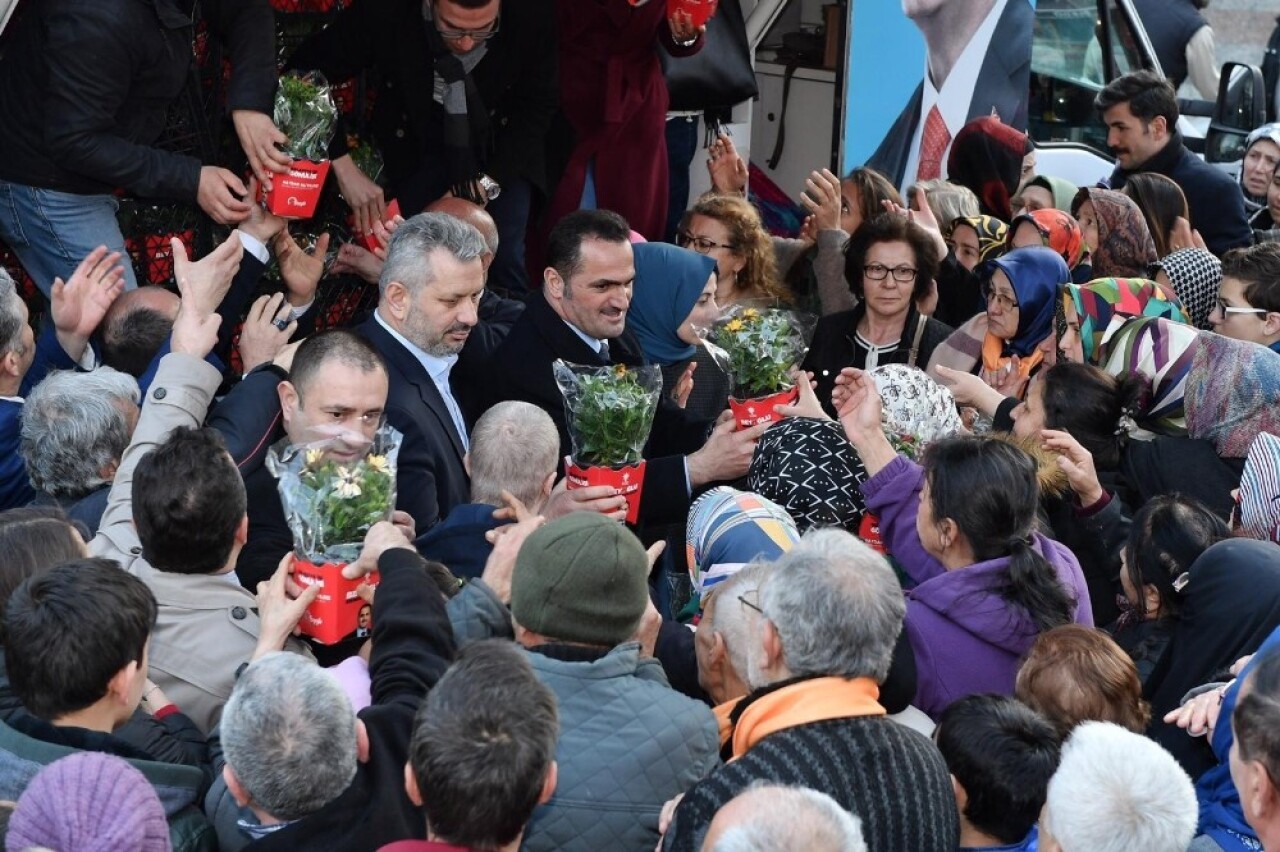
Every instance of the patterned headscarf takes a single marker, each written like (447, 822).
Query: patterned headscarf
(729, 528)
(914, 406)
(810, 469)
(1105, 304)
(1231, 393)
(991, 234)
(1196, 276)
(1260, 489)
(1125, 248)
(1037, 275)
(1059, 231)
(986, 156)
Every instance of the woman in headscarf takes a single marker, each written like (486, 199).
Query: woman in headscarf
(1115, 232)
(972, 241)
(1266, 221)
(1259, 497)
(1008, 343)
(1045, 192)
(1261, 159)
(673, 296)
(1230, 604)
(986, 156)
(729, 528)
(1056, 230)
(1195, 274)
(815, 495)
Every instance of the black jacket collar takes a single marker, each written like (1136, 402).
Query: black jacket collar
(566, 344)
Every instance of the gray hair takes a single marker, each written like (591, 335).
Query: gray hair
(289, 735)
(792, 819)
(409, 253)
(837, 607)
(73, 426)
(514, 447)
(1115, 790)
(732, 620)
(11, 321)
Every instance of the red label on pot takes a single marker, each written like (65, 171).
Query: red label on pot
(294, 194)
(753, 412)
(626, 480)
(369, 241)
(869, 532)
(338, 612)
(699, 11)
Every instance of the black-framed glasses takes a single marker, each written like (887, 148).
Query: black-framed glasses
(701, 245)
(879, 272)
(483, 34)
(755, 593)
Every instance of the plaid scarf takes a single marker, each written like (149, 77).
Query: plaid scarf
(466, 122)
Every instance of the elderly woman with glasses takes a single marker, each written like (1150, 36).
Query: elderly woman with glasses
(890, 263)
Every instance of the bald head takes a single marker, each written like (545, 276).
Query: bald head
(475, 216)
(136, 326)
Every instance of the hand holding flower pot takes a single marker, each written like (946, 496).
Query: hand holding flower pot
(759, 349)
(610, 412)
(306, 113)
(330, 504)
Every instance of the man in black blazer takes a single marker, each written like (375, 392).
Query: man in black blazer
(506, 50)
(1000, 86)
(580, 317)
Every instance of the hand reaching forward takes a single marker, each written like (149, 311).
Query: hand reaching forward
(203, 283)
(80, 303)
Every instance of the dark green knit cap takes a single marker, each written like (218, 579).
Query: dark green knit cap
(581, 578)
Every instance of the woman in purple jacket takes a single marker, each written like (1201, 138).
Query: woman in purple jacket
(962, 527)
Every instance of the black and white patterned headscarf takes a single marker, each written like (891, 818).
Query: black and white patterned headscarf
(809, 468)
(1196, 276)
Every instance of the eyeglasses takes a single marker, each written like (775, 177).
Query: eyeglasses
(457, 35)
(879, 272)
(755, 593)
(1005, 302)
(1223, 308)
(701, 245)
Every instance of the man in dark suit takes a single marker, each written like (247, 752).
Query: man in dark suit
(434, 136)
(580, 316)
(982, 47)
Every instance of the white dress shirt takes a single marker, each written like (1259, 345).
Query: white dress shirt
(438, 369)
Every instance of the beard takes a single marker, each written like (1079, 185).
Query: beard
(437, 344)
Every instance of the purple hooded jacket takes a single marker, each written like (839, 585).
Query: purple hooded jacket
(967, 639)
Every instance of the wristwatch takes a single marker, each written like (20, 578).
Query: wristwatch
(489, 187)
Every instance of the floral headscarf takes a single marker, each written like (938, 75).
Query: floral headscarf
(1059, 231)
(1196, 276)
(915, 408)
(1105, 304)
(1125, 248)
(729, 528)
(991, 234)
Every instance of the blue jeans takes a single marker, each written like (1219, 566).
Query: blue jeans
(51, 231)
(682, 145)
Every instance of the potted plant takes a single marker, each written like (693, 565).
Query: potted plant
(759, 349)
(306, 113)
(330, 503)
(609, 411)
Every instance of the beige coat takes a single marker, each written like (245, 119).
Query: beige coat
(207, 625)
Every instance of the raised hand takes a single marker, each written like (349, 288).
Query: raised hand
(821, 198)
(726, 167)
(281, 605)
(262, 336)
(357, 260)
(203, 283)
(301, 270)
(1077, 463)
(80, 303)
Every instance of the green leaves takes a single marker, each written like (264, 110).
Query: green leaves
(306, 113)
(609, 410)
(759, 349)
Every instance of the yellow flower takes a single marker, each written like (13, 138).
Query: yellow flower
(620, 370)
(314, 457)
(378, 463)
(733, 325)
(750, 313)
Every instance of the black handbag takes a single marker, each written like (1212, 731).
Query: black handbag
(718, 77)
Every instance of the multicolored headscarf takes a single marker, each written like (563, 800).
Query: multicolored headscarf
(1105, 304)
(991, 234)
(1231, 394)
(1059, 231)
(1260, 489)
(1125, 248)
(728, 529)
(810, 469)
(1196, 276)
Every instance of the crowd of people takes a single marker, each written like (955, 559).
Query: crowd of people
(1004, 576)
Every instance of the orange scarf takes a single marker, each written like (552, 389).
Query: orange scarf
(993, 361)
(801, 703)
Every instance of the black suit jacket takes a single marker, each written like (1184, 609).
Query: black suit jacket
(520, 368)
(1002, 86)
(430, 478)
(516, 79)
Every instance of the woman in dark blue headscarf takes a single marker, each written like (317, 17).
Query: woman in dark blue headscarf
(1022, 291)
(675, 293)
